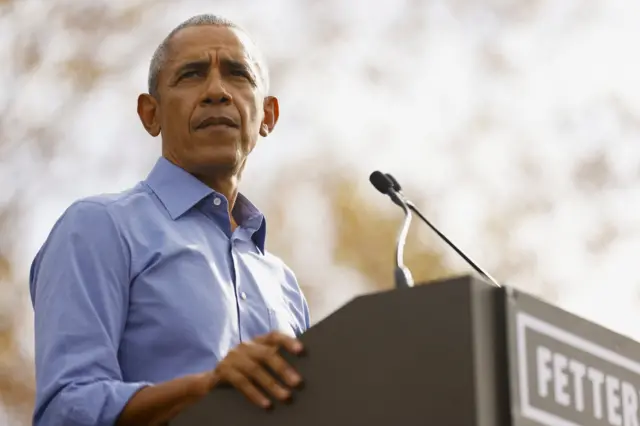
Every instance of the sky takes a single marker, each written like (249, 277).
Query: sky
(487, 110)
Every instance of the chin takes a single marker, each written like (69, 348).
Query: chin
(225, 159)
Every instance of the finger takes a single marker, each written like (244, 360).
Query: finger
(282, 340)
(258, 374)
(244, 385)
(283, 370)
(269, 355)
(250, 359)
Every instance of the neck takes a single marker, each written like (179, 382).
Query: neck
(222, 180)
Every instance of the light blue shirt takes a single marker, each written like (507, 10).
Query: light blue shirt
(146, 286)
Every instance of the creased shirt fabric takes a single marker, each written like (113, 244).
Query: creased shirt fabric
(148, 285)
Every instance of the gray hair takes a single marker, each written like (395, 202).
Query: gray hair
(160, 55)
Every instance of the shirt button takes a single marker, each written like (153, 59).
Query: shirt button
(243, 296)
(216, 201)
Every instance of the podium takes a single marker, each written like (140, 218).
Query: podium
(455, 352)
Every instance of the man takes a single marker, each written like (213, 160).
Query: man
(147, 300)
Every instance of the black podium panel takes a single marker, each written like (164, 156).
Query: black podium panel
(430, 355)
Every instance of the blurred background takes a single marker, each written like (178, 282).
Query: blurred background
(514, 124)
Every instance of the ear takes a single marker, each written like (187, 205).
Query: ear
(147, 111)
(271, 114)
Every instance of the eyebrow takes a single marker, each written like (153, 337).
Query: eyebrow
(193, 65)
(201, 64)
(235, 64)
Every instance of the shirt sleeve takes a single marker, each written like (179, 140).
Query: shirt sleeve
(79, 285)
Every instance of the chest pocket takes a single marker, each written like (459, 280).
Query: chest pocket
(280, 316)
(267, 277)
(281, 320)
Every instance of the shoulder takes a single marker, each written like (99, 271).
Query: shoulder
(86, 235)
(116, 202)
(96, 218)
(108, 208)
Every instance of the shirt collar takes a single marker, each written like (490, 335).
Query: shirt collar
(249, 217)
(179, 191)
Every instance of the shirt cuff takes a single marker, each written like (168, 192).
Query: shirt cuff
(117, 394)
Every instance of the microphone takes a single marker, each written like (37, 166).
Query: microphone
(398, 190)
(382, 183)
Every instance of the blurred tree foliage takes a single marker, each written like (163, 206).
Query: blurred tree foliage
(29, 140)
(364, 242)
(362, 227)
(33, 126)
(364, 234)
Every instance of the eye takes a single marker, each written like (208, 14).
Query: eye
(240, 73)
(192, 73)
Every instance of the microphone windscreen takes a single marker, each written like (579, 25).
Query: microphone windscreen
(396, 185)
(380, 182)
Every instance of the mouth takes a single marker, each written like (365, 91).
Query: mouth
(217, 121)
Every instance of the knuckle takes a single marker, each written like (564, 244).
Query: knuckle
(242, 347)
(228, 362)
(243, 382)
(253, 369)
(272, 383)
(278, 363)
(273, 336)
(268, 382)
(254, 394)
(223, 365)
(263, 351)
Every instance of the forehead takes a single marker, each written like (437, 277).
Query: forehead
(198, 41)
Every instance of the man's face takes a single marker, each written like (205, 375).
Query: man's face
(211, 105)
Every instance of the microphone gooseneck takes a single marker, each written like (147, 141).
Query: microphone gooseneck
(402, 274)
(397, 189)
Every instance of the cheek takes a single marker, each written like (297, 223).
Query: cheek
(179, 114)
(250, 109)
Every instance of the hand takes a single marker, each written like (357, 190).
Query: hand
(244, 368)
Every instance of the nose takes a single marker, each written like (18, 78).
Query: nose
(215, 92)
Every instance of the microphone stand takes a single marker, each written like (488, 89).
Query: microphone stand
(475, 266)
(403, 278)
(397, 190)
